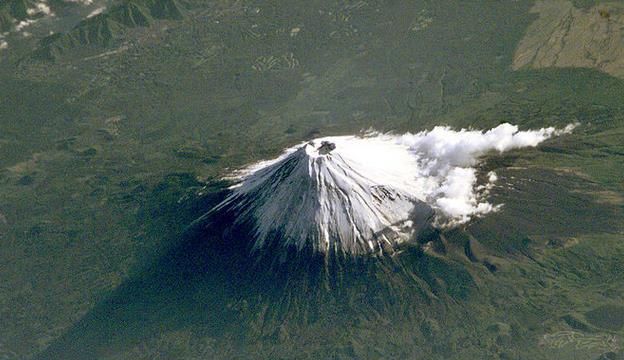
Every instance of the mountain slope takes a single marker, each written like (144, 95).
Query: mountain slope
(104, 29)
(322, 197)
(566, 36)
(13, 11)
(355, 195)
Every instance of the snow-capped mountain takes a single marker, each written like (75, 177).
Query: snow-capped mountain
(337, 194)
(356, 195)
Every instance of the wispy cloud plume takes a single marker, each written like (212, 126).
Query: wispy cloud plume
(447, 159)
(359, 193)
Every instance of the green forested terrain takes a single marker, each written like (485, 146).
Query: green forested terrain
(114, 131)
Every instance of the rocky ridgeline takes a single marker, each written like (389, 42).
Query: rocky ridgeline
(566, 36)
(105, 29)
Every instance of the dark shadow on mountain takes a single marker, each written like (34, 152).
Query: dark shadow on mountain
(202, 282)
(108, 28)
(214, 283)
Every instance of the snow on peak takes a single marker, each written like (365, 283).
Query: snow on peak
(342, 194)
(350, 194)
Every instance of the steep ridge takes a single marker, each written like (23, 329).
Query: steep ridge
(103, 30)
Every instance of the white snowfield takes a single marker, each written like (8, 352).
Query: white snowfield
(358, 195)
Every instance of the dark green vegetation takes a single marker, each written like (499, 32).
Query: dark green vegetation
(586, 4)
(12, 11)
(108, 28)
(106, 146)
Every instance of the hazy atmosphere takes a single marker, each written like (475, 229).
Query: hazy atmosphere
(362, 179)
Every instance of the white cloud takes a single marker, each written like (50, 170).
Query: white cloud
(358, 193)
(437, 166)
(492, 177)
(24, 24)
(40, 8)
(97, 11)
(447, 160)
(3, 44)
